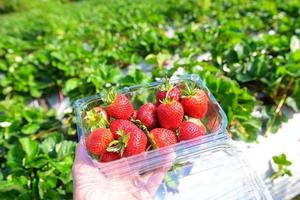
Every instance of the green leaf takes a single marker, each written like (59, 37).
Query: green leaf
(64, 149)
(63, 166)
(281, 160)
(30, 128)
(39, 161)
(15, 157)
(292, 70)
(71, 84)
(288, 172)
(35, 92)
(7, 186)
(30, 147)
(293, 103)
(48, 145)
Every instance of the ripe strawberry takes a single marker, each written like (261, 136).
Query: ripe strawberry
(121, 124)
(130, 139)
(119, 105)
(189, 130)
(213, 118)
(162, 137)
(134, 114)
(147, 115)
(98, 140)
(170, 114)
(109, 156)
(97, 118)
(195, 103)
(174, 94)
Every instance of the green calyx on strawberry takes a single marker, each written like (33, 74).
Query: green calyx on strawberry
(167, 91)
(120, 144)
(194, 102)
(118, 105)
(97, 118)
(130, 140)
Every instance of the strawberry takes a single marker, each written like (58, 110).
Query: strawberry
(109, 156)
(147, 115)
(170, 114)
(98, 140)
(189, 130)
(130, 139)
(97, 118)
(195, 103)
(121, 124)
(162, 137)
(134, 114)
(174, 94)
(119, 105)
(167, 90)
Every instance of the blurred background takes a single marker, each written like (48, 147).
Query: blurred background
(53, 52)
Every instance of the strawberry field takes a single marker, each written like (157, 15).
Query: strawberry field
(247, 53)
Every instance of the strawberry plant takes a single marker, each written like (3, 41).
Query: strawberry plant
(282, 164)
(247, 53)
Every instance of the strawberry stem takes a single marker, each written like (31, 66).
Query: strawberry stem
(95, 120)
(109, 96)
(120, 144)
(189, 90)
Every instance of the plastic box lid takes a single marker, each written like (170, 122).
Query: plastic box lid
(208, 167)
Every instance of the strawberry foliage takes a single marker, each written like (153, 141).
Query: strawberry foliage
(247, 53)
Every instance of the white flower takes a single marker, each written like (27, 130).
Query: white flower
(5, 124)
(271, 32)
(204, 57)
(294, 44)
(18, 58)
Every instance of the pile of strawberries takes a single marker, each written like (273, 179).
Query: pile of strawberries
(117, 130)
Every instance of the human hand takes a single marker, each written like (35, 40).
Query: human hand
(89, 183)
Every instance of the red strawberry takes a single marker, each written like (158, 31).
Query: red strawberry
(121, 124)
(162, 137)
(98, 140)
(119, 105)
(147, 115)
(189, 130)
(134, 114)
(97, 118)
(195, 103)
(170, 114)
(174, 94)
(130, 139)
(213, 117)
(109, 156)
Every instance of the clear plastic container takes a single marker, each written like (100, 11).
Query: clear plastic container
(208, 167)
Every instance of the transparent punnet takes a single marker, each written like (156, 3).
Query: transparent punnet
(206, 167)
